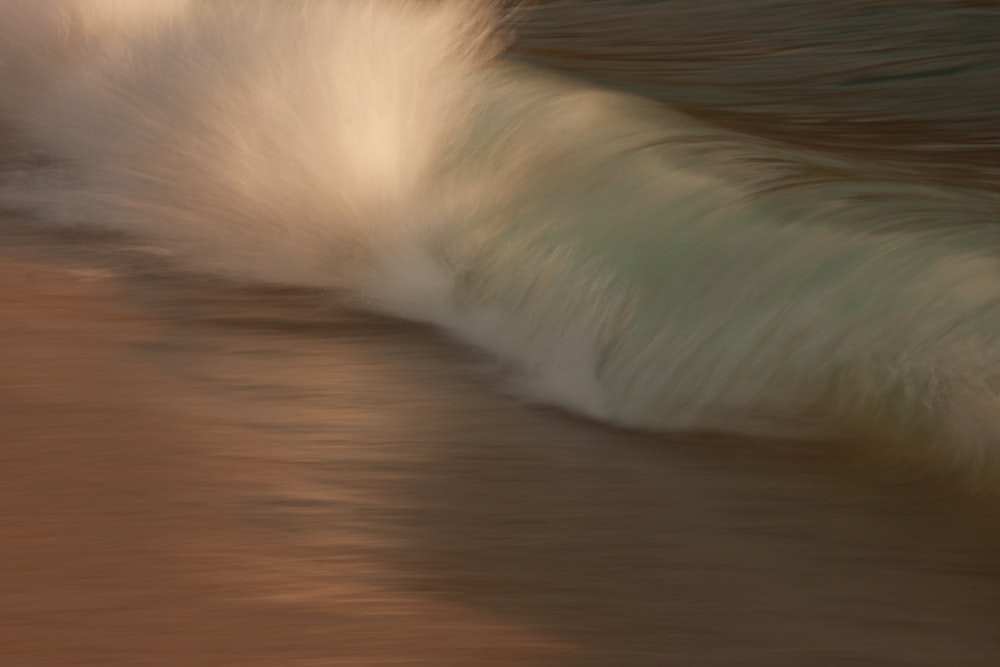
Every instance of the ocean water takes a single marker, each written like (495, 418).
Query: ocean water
(763, 218)
(370, 332)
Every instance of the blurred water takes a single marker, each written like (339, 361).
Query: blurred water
(201, 472)
(908, 85)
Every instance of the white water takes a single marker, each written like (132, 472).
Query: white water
(626, 262)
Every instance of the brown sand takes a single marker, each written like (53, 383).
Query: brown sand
(201, 475)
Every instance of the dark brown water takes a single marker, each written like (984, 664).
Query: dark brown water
(197, 473)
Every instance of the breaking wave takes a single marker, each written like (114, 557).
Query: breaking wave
(625, 261)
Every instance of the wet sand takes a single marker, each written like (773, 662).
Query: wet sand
(199, 474)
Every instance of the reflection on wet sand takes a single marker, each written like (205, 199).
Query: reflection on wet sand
(202, 475)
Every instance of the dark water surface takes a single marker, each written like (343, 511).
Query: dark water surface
(910, 86)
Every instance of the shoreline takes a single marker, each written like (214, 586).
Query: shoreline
(207, 475)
